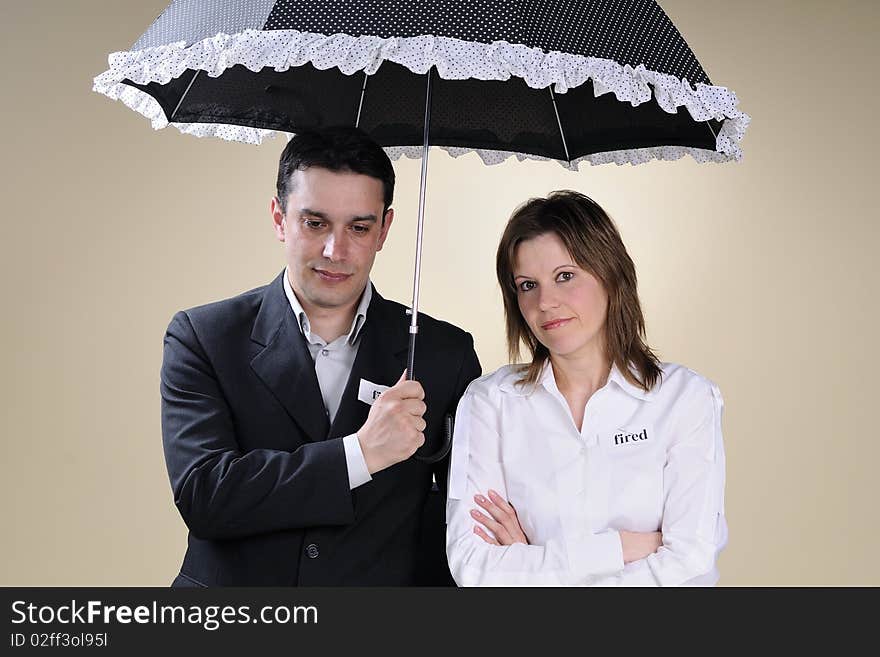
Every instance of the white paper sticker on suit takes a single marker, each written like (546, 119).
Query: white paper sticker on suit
(368, 392)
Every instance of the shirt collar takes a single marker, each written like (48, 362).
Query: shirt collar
(618, 379)
(360, 313)
(546, 379)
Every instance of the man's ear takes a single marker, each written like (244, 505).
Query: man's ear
(386, 225)
(277, 218)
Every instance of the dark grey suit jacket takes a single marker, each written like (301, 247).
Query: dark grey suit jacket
(259, 474)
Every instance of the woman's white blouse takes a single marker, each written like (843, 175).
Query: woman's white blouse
(641, 462)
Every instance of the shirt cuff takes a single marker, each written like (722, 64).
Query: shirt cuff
(596, 555)
(358, 474)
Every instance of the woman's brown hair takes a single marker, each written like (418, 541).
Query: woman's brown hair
(591, 238)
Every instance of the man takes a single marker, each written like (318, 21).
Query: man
(288, 425)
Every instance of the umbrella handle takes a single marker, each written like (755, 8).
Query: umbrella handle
(440, 454)
(448, 423)
(411, 354)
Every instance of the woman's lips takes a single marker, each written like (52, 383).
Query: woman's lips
(556, 323)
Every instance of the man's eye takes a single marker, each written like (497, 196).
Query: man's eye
(360, 228)
(525, 286)
(314, 223)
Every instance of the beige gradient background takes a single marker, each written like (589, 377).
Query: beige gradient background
(760, 275)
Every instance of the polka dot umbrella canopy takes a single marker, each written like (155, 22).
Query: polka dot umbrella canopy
(571, 80)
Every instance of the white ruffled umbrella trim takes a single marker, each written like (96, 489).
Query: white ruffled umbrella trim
(454, 59)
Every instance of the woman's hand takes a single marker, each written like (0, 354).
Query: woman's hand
(501, 521)
(638, 545)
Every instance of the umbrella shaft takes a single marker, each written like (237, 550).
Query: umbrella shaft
(414, 324)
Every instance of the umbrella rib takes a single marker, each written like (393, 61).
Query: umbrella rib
(713, 134)
(559, 123)
(357, 121)
(180, 102)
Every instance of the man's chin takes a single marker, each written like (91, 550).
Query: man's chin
(338, 297)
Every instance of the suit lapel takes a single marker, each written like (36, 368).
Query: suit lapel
(381, 359)
(285, 364)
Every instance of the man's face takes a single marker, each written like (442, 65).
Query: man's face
(331, 230)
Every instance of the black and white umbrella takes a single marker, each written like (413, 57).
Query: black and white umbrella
(570, 80)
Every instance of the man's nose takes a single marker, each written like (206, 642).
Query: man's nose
(335, 248)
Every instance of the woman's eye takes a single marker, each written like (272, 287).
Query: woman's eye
(566, 275)
(525, 286)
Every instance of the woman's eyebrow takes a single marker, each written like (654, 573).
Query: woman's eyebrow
(568, 264)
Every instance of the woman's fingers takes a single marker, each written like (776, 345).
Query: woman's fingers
(479, 531)
(501, 503)
(499, 530)
(501, 521)
(504, 514)
(497, 512)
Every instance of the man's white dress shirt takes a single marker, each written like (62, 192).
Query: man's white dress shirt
(641, 462)
(333, 363)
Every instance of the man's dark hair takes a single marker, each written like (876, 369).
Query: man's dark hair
(343, 148)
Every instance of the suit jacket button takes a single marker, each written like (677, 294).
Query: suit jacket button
(312, 551)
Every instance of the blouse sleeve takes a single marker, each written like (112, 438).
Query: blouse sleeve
(476, 466)
(694, 528)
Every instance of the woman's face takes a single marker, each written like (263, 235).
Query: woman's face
(564, 305)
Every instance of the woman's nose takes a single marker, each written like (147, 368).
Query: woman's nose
(547, 298)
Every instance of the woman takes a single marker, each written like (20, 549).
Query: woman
(594, 464)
